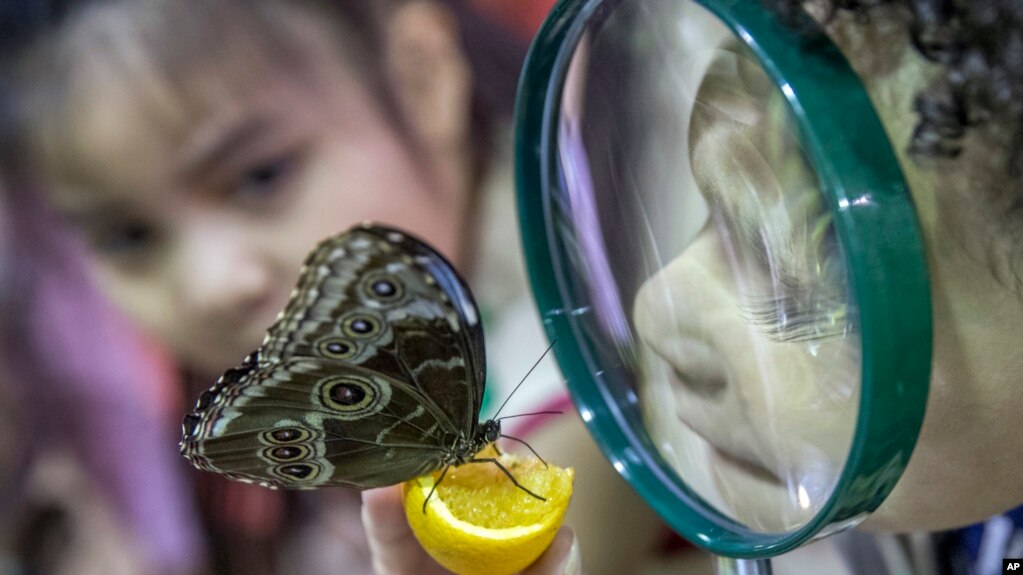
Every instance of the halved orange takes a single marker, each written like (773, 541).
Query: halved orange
(479, 522)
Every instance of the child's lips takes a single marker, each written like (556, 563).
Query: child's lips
(747, 465)
(743, 460)
(727, 434)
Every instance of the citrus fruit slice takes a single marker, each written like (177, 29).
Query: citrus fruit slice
(478, 522)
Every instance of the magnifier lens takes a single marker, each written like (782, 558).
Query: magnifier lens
(707, 273)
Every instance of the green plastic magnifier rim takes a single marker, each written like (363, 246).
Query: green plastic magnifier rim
(873, 217)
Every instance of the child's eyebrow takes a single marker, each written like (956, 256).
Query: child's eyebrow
(222, 144)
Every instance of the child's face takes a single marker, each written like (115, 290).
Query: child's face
(198, 222)
(965, 466)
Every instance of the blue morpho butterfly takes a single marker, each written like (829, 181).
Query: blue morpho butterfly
(373, 374)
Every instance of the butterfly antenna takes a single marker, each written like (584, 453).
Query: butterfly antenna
(528, 446)
(555, 340)
(555, 412)
(434, 488)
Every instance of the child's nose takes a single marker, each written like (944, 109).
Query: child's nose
(223, 277)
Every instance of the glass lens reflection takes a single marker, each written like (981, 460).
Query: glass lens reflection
(708, 261)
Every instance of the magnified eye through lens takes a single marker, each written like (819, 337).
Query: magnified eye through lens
(702, 248)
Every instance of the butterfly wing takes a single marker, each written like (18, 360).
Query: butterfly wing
(379, 317)
(383, 299)
(303, 423)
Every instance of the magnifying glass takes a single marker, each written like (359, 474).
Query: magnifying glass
(721, 240)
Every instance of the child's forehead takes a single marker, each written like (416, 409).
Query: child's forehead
(117, 120)
(129, 93)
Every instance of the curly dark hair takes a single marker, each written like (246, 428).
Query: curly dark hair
(979, 44)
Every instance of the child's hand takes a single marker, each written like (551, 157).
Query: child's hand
(396, 551)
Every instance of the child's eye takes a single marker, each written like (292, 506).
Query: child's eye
(264, 180)
(126, 240)
(807, 298)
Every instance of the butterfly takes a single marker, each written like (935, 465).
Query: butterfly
(371, 375)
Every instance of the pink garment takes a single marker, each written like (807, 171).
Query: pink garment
(95, 386)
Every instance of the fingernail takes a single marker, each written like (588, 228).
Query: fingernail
(573, 564)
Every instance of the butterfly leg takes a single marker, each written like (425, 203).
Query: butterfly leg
(508, 473)
(528, 446)
(434, 488)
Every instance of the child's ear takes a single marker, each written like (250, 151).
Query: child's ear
(431, 73)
